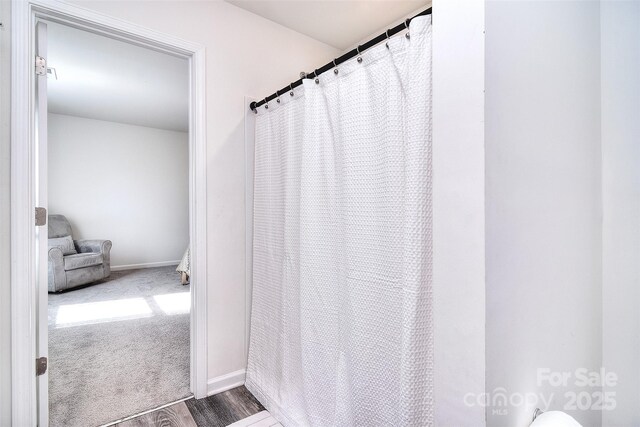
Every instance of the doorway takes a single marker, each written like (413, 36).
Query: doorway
(117, 180)
(29, 303)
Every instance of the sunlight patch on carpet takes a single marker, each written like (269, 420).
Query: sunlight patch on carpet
(102, 311)
(176, 303)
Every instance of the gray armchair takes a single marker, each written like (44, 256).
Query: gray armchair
(75, 262)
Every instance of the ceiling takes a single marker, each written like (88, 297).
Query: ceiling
(338, 23)
(106, 79)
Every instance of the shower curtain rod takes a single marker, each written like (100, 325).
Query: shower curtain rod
(339, 60)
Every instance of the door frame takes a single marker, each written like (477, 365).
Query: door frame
(24, 14)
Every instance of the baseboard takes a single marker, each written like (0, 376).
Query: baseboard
(144, 265)
(262, 418)
(225, 382)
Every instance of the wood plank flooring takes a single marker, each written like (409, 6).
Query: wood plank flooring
(176, 415)
(220, 410)
(223, 409)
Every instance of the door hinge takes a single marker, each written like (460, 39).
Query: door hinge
(41, 217)
(41, 66)
(41, 366)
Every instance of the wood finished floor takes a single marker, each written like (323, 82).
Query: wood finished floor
(176, 415)
(219, 410)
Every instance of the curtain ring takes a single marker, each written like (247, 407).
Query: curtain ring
(335, 67)
(291, 88)
(387, 43)
(315, 73)
(359, 59)
(266, 104)
(406, 25)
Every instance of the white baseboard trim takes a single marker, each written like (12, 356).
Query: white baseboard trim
(259, 419)
(225, 382)
(144, 265)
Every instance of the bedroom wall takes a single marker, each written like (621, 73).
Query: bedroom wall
(121, 182)
(543, 209)
(246, 55)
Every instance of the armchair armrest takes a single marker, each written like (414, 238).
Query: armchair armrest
(57, 277)
(55, 255)
(98, 246)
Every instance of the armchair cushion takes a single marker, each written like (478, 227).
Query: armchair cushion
(64, 243)
(58, 226)
(73, 262)
(92, 245)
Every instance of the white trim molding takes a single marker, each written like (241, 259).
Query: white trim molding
(226, 382)
(263, 418)
(23, 256)
(23, 278)
(198, 220)
(144, 265)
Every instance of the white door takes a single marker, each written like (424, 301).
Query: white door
(40, 169)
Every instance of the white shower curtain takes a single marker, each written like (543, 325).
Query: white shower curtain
(341, 330)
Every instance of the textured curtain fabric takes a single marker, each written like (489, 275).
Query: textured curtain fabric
(341, 329)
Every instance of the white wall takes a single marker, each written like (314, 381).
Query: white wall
(125, 183)
(620, 72)
(458, 210)
(245, 55)
(427, 4)
(543, 199)
(5, 195)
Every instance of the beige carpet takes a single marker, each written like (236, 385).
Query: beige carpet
(118, 347)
